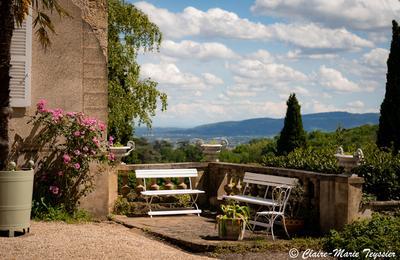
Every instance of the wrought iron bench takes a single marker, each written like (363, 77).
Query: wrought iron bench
(272, 204)
(166, 174)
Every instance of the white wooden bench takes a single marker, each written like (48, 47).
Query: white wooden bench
(273, 202)
(165, 174)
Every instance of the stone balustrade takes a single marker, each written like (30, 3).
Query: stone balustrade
(335, 198)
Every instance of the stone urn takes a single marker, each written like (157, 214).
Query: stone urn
(347, 161)
(211, 151)
(122, 151)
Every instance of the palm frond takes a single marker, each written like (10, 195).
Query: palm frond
(41, 21)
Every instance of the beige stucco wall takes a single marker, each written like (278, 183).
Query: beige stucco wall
(72, 74)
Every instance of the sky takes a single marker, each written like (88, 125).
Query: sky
(224, 60)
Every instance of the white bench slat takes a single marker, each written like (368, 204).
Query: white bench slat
(251, 200)
(173, 212)
(166, 173)
(268, 180)
(171, 192)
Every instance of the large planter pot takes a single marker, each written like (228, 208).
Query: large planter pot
(293, 225)
(230, 229)
(15, 200)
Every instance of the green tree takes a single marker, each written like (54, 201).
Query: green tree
(292, 135)
(14, 12)
(389, 130)
(129, 98)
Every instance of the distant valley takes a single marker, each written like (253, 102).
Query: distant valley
(260, 127)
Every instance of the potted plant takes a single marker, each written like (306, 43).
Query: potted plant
(118, 150)
(232, 224)
(295, 210)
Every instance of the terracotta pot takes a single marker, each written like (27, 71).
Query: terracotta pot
(294, 225)
(230, 229)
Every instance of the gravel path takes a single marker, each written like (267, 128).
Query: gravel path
(57, 240)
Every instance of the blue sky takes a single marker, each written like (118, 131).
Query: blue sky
(227, 60)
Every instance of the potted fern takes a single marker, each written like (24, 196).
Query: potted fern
(232, 224)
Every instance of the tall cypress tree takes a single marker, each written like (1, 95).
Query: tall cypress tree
(292, 135)
(389, 121)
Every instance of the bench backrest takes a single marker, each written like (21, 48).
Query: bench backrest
(166, 173)
(268, 180)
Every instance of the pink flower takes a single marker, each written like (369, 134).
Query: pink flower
(111, 140)
(41, 106)
(77, 166)
(60, 173)
(77, 133)
(57, 114)
(102, 126)
(96, 141)
(77, 152)
(71, 114)
(111, 157)
(54, 189)
(67, 158)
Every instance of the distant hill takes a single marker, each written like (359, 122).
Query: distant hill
(326, 122)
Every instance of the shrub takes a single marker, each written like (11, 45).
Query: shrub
(381, 171)
(71, 142)
(309, 159)
(379, 234)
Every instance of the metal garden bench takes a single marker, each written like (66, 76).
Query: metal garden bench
(166, 174)
(272, 204)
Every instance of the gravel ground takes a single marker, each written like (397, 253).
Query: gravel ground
(57, 240)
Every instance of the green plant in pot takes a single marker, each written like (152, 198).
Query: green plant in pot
(295, 210)
(232, 223)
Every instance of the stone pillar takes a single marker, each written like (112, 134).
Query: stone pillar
(339, 201)
(100, 202)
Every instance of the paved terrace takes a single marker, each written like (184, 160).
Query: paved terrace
(193, 233)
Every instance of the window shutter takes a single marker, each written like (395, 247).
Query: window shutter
(21, 59)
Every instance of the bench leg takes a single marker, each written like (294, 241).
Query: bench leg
(194, 204)
(284, 226)
(148, 202)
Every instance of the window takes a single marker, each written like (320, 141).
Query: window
(21, 59)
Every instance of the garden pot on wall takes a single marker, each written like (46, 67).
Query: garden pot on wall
(15, 200)
(122, 151)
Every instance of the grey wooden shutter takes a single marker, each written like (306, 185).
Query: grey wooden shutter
(21, 59)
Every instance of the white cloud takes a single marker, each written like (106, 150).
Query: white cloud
(211, 79)
(333, 79)
(356, 104)
(355, 14)
(170, 74)
(218, 23)
(317, 107)
(262, 55)
(194, 50)
(299, 54)
(376, 57)
(256, 72)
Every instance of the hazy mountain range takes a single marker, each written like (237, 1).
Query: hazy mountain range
(326, 122)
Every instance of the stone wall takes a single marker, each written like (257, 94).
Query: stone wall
(335, 198)
(72, 73)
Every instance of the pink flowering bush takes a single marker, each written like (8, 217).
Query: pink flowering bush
(74, 141)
